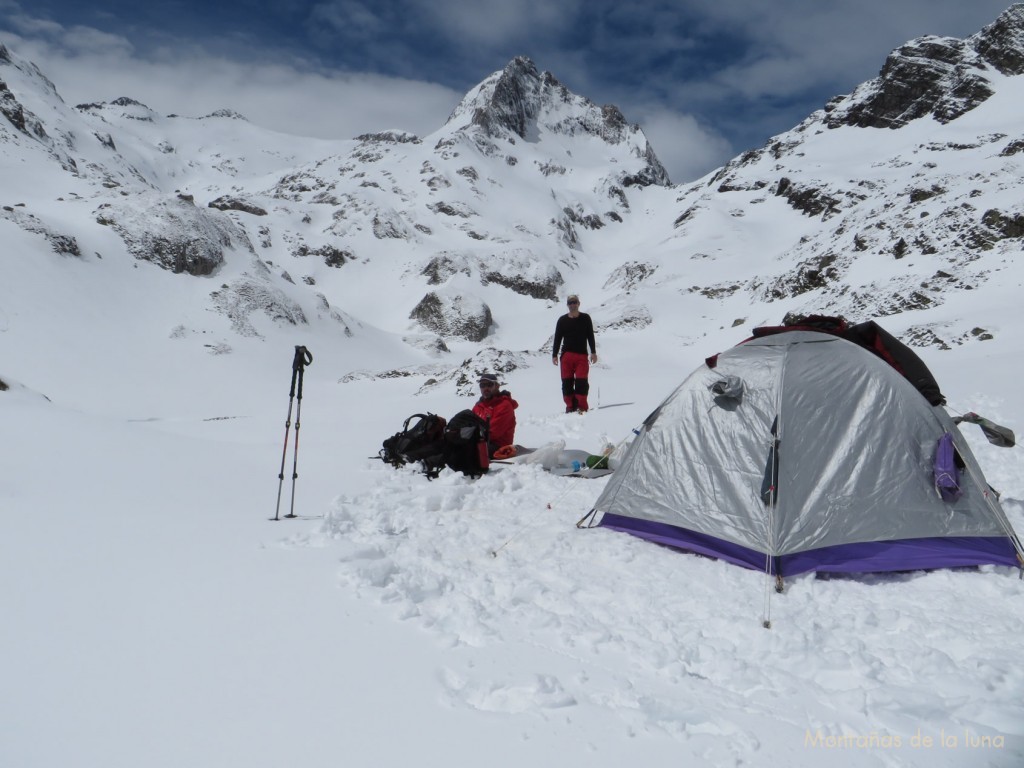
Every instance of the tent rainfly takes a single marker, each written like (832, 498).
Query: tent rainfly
(800, 450)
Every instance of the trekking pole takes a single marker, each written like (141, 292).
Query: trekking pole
(299, 362)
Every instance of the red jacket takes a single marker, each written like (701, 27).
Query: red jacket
(500, 410)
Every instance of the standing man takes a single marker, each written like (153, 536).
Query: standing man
(573, 332)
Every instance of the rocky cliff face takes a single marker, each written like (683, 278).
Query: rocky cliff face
(939, 76)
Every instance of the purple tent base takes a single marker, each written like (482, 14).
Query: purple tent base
(862, 557)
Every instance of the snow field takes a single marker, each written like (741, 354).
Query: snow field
(671, 643)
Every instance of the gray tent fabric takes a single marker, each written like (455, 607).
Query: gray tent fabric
(728, 392)
(844, 443)
(730, 387)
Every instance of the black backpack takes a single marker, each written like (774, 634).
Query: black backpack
(465, 444)
(422, 440)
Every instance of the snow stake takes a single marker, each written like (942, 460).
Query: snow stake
(299, 362)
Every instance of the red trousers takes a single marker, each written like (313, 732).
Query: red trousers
(575, 368)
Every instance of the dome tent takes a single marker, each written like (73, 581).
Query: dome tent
(800, 450)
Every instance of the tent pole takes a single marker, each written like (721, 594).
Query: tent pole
(766, 621)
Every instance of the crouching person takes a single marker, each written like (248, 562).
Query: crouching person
(497, 407)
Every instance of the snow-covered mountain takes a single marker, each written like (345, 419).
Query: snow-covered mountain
(891, 200)
(909, 186)
(466, 228)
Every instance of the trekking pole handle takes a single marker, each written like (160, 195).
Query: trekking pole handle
(303, 357)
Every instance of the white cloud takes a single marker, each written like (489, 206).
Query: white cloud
(89, 65)
(807, 44)
(684, 147)
(90, 42)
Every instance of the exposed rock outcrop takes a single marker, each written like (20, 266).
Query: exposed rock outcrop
(173, 233)
(63, 244)
(943, 77)
(458, 315)
(234, 203)
(247, 295)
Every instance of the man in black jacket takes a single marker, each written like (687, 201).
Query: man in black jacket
(574, 331)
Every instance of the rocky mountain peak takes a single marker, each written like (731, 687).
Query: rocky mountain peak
(519, 102)
(509, 101)
(1001, 44)
(123, 106)
(943, 77)
(125, 101)
(228, 114)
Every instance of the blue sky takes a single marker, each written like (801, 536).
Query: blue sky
(706, 79)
